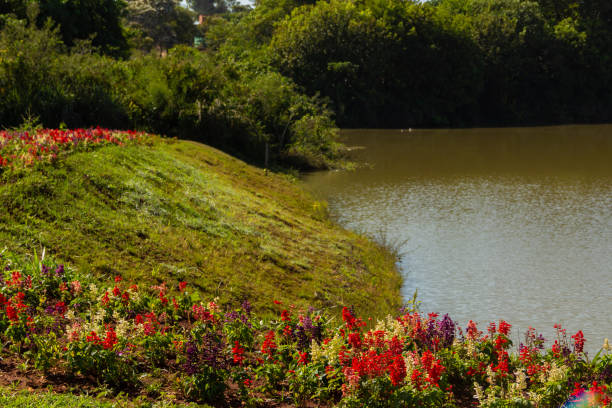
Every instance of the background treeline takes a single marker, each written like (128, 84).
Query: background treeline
(394, 63)
(266, 75)
(135, 80)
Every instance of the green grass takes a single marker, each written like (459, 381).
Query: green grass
(183, 211)
(12, 398)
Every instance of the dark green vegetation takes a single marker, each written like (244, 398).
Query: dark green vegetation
(188, 93)
(96, 20)
(266, 76)
(182, 211)
(390, 63)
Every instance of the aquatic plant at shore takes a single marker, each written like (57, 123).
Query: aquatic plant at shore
(154, 340)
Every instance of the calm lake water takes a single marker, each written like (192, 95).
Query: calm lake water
(511, 224)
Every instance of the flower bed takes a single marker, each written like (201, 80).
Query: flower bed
(166, 341)
(22, 149)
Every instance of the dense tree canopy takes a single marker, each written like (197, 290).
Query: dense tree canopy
(271, 75)
(163, 22)
(85, 19)
(397, 63)
(208, 7)
(96, 20)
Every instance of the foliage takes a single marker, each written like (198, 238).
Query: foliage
(105, 331)
(188, 94)
(208, 7)
(377, 63)
(98, 21)
(163, 22)
(394, 63)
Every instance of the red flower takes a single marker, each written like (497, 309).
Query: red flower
(163, 298)
(417, 379)
(578, 390)
(500, 342)
(354, 339)
(556, 349)
(61, 308)
(397, 370)
(269, 346)
(116, 291)
(149, 329)
(12, 313)
(504, 328)
(578, 342)
(93, 337)
(276, 302)
(303, 360)
(15, 278)
(182, 286)
(348, 318)
(118, 279)
(238, 352)
(111, 338)
(285, 316)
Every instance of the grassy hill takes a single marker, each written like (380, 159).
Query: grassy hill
(178, 210)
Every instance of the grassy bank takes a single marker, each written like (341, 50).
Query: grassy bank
(176, 211)
(11, 397)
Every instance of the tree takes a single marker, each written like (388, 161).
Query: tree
(208, 7)
(389, 62)
(98, 20)
(164, 21)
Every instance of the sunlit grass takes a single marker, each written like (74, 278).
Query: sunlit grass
(183, 211)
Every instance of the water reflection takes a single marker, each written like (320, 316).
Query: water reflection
(500, 223)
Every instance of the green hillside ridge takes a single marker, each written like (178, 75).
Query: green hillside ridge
(179, 210)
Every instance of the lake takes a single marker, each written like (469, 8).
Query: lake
(511, 223)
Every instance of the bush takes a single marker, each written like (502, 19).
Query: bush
(188, 94)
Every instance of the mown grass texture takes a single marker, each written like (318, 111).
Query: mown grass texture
(13, 398)
(179, 210)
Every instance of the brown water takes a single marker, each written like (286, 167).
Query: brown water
(511, 224)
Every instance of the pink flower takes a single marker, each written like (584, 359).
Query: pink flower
(76, 286)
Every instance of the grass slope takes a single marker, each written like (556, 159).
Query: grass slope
(180, 210)
(10, 398)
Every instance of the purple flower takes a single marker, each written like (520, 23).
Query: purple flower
(191, 363)
(231, 316)
(59, 271)
(302, 338)
(307, 323)
(447, 329)
(246, 306)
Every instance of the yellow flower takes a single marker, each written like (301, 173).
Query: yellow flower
(606, 345)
